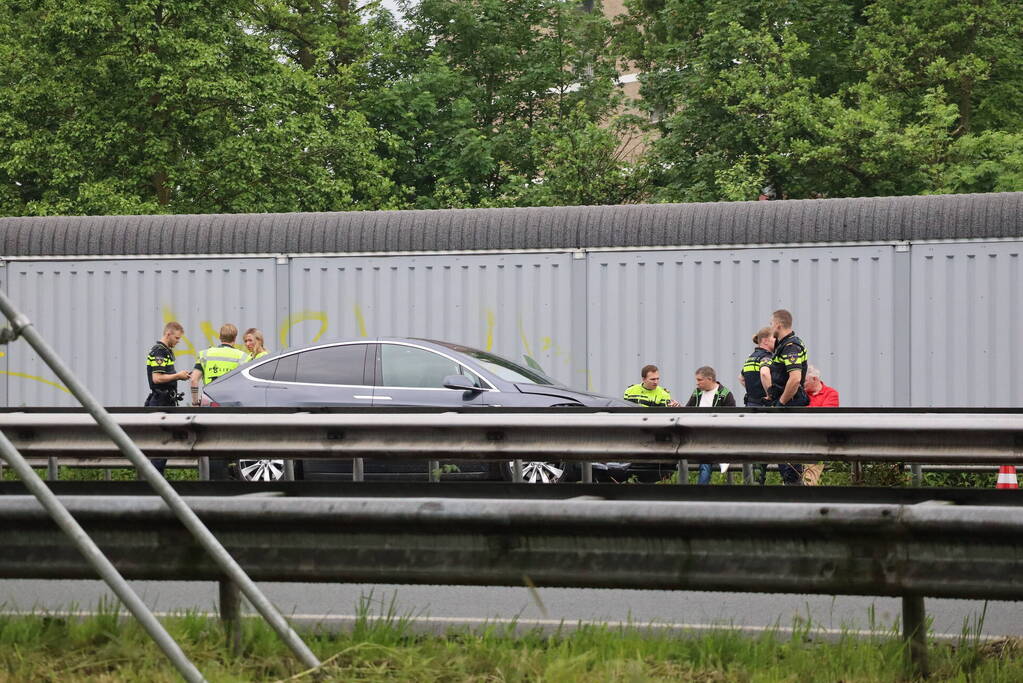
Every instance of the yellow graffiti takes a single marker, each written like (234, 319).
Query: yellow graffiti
(360, 321)
(188, 348)
(522, 336)
(490, 332)
(212, 335)
(546, 343)
(302, 317)
(37, 379)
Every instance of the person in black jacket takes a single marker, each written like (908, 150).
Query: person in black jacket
(709, 393)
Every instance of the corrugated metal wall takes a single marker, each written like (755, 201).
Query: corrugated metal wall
(517, 305)
(102, 317)
(931, 324)
(967, 331)
(685, 309)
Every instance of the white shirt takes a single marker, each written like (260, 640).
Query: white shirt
(707, 398)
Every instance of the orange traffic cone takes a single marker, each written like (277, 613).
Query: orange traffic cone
(1007, 477)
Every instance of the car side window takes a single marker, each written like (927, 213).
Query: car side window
(408, 366)
(264, 371)
(344, 364)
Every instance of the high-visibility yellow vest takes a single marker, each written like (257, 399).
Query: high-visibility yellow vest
(219, 360)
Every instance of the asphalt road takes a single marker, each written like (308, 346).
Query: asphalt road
(437, 608)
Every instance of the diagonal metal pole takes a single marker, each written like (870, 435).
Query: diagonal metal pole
(22, 326)
(95, 557)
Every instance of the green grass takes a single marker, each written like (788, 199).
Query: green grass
(111, 648)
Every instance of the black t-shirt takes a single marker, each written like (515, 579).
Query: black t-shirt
(160, 360)
(760, 358)
(789, 356)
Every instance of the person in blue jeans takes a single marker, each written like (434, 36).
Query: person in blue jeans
(709, 393)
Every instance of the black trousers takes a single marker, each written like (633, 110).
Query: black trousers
(161, 399)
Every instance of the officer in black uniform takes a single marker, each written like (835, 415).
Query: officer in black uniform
(163, 380)
(756, 372)
(788, 373)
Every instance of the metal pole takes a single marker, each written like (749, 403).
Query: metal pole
(52, 470)
(204, 468)
(683, 471)
(23, 326)
(914, 632)
(358, 470)
(917, 476)
(517, 471)
(747, 473)
(95, 557)
(587, 473)
(289, 470)
(231, 615)
(434, 469)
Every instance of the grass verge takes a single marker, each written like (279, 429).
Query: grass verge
(108, 647)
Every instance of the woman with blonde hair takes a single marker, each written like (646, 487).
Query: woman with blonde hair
(254, 343)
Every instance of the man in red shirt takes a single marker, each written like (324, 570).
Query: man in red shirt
(821, 395)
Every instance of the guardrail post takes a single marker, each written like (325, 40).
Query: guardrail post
(914, 633)
(434, 470)
(587, 473)
(683, 471)
(52, 469)
(917, 476)
(289, 470)
(747, 473)
(204, 468)
(106, 474)
(231, 615)
(358, 470)
(517, 471)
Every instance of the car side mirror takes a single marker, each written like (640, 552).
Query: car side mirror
(460, 383)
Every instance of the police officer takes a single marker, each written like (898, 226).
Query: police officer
(649, 392)
(217, 360)
(163, 380)
(756, 371)
(788, 373)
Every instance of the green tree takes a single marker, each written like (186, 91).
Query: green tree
(171, 106)
(825, 97)
(478, 90)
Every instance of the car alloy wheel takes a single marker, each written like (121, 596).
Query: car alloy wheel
(261, 470)
(540, 471)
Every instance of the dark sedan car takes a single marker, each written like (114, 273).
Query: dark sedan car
(395, 372)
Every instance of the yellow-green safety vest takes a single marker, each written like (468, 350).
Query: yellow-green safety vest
(219, 360)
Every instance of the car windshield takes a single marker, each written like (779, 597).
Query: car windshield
(504, 368)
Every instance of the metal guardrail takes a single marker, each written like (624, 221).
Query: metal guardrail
(913, 551)
(933, 438)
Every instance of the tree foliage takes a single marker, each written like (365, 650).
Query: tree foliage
(142, 106)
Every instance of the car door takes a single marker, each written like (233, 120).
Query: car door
(333, 375)
(410, 375)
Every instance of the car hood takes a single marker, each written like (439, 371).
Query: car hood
(584, 397)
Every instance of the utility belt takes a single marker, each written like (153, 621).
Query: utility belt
(169, 394)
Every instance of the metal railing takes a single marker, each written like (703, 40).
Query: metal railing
(912, 551)
(21, 327)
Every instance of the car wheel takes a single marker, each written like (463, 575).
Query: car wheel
(261, 470)
(536, 471)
